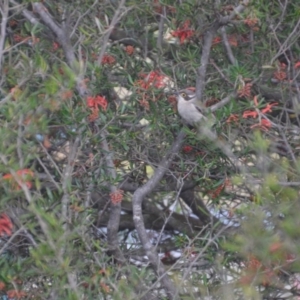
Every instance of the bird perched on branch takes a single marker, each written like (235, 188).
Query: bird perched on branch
(188, 107)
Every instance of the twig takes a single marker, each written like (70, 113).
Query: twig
(4, 13)
(161, 29)
(220, 72)
(201, 71)
(222, 102)
(137, 200)
(26, 13)
(227, 46)
(115, 212)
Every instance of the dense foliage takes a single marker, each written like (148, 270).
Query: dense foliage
(106, 193)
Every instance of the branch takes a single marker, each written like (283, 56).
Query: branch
(201, 72)
(4, 13)
(208, 38)
(26, 13)
(115, 209)
(227, 46)
(137, 200)
(62, 36)
(222, 102)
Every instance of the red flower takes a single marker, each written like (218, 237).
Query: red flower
(184, 32)
(25, 174)
(152, 79)
(108, 60)
(264, 125)
(297, 65)
(6, 225)
(232, 118)
(216, 40)
(268, 108)
(245, 91)
(116, 197)
(233, 40)
(216, 192)
(254, 114)
(280, 75)
(187, 149)
(251, 22)
(93, 103)
(129, 50)
(250, 113)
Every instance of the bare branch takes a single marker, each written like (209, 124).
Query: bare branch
(137, 200)
(4, 14)
(26, 13)
(227, 46)
(61, 34)
(114, 220)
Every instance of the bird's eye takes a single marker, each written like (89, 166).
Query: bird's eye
(183, 95)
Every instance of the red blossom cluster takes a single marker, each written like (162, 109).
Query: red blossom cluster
(217, 40)
(154, 79)
(24, 176)
(184, 32)
(216, 192)
(252, 23)
(108, 60)
(187, 149)
(255, 270)
(232, 118)
(129, 49)
(245, 91)
(263, 124)
(93, 103)
(6, 226)
(232, 39)
(263, 273)
(116, 197)
(281, 74)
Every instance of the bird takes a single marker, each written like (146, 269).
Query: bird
(188, 107)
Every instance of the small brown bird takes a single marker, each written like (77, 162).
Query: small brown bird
(188, 108)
